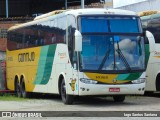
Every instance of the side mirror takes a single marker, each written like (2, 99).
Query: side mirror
(78, 41)
(151, 40)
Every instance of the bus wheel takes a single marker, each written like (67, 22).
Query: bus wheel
(67, 99)
(158, 83)
(23, 90)
(119, 98)
(17, 89)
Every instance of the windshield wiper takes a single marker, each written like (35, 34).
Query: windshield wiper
(122, 57)
(104, 59)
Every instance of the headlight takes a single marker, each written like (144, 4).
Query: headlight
(138, 81)
(88, 81)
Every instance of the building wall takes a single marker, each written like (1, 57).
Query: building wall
(2, 56)
(31, 7)
(91, 5)
(4, 25)
(16, 7)
(2, 79)
(2, 73)
(143, 6)
(3, 34)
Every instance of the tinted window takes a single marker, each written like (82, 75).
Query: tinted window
(144, 24)
(113, 24)
(71, 27)
(154, 28)
(44, 33)
(94, 24)
(124, 25)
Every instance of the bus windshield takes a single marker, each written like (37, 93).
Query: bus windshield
(119, 24)
(113, 43)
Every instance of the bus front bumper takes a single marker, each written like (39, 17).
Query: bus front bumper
(98, 89)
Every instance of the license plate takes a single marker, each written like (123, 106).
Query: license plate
(114, 89)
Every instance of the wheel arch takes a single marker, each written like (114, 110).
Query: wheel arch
(22, 78)
(61, 77)
(16, 79)
(158, 82)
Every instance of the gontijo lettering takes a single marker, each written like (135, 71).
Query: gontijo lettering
(26, 57)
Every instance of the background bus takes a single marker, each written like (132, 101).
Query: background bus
(151, 23)
(78, 52)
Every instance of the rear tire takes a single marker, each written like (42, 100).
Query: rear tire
(17, 89)
(23, 90)
(119, 98)
(67, 99)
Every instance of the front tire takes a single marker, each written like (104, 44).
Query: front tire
(158, 83)
(119, 98)
(67, 99)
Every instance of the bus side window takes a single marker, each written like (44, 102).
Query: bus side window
(36, 42)
(27, 44)
(53, 38)
(18, 46)
(153, 27)
(145, 28)
(42, 41)
(61, 29)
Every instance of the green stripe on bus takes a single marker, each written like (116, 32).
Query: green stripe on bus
(122, 77)
(130, 76)
(147, 54)
(49, 64)
(41, 65)
(45, 64)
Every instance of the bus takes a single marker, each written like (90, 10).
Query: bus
(83, 52)
(151, 24)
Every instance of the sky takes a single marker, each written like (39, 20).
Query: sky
(118, 3)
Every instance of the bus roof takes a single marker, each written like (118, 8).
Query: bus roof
(100, 11)
(146, 17)
(76, 12)
(153, 16)
(49, 14)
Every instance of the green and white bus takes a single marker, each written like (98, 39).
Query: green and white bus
(151, 24)
(78, 53)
